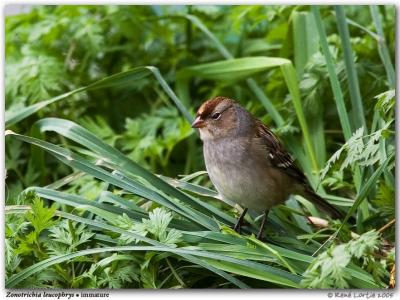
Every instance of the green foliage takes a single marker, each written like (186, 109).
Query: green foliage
(86, 207)
(68, 236)
(328, 270)
(385, 200)
(360, 152)
(40, 218)
(126, 223)
(99, 126)
(24, 235)
(386, 102)
(157, 225)
(151, 138)
(40, 75)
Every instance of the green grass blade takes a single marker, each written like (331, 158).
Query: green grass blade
(354, 89)
(109, 197)
(363, 28)
(171, 94)
(252, 273)
(352, 77)
(360, 278)
(337, 92)
(191, 187)
(275, 253)
(75, 161)
(305, 39)
(116, 80)
(200, 25)
(119, 79)
(65, 180)
(382, 47)
(292, 83)
(336, 89)
(110, 81)
(13, 117)
(79, 202)
(306, 44)
(234, 69)
(108, 212)
(272, 111)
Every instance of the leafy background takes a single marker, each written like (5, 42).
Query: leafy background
(105, 185)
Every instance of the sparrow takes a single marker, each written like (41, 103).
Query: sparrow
(247, 163)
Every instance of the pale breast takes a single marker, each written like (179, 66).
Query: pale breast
(241, 179)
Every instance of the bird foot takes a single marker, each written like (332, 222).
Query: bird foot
(260, 237)
(237, 228)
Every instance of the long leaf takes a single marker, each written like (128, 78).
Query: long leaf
(360, 278)
(382, 47)
(336, 89)
(291, 80)
(111, 81)
(354, 88)
(305, 39)
(306, 44)
(102, 209)
(119, 79)
(337, 92)
(78, 162)
(234, 69)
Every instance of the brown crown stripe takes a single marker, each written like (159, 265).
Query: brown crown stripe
(208, 107)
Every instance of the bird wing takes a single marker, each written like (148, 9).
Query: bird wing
(277, 154)
(281, 159)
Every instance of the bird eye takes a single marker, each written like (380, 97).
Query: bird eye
(216, 116)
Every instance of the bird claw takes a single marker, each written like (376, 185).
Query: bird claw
(237, 228)
(260, 237)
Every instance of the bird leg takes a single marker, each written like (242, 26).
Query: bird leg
(264, 220)
(239, 222)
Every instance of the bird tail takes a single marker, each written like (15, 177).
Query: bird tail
(322, 204)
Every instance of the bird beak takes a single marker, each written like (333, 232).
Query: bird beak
(198, 123)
